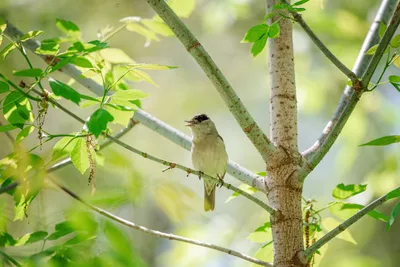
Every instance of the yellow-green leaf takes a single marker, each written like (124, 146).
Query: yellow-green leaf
(80, 156)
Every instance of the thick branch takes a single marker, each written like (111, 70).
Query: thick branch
(143, 117)
(351, 95)
(343, 226)
(158, 233)
(235, 105)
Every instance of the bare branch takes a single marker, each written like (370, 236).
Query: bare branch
(343, 226)
(346, 71)
(143, 117)
(235, 105)
(351, 95)
(158, 233)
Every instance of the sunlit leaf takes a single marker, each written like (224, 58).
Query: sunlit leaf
(152, 66)
(63, 147)
(330, 223)
(382, 28)
(265, 253)
(48, 48)
(274, 30)
(31, 238)
(396, 62)
(158, 26)
(98, 121)
(3, 25)
(30, 35)
(7, 50)
(395, 43)
(64, 90)
(6, 240)
(148, 34)
(371, 50)
(255, 33)
(346, 210)
(24, 133)
(393, 194)
(259, 45)
(61, 229)
(82, 62)
(182, 8)
(15, 105)
(127, 95)
(121, 117)
(116, 56)
(393, 215)
(29, 73)
(68, 28)
(342, 191)
(142, 76)
(394, 79)
(298, 3)
(245, 187)
(383, 141)
(262, 234)
(80, 156)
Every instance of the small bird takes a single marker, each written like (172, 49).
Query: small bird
(208, 155)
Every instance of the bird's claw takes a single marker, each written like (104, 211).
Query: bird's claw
(220, 182)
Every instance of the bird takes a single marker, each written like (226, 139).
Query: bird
(208, 155)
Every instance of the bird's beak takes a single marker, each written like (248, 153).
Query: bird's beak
(189, 123)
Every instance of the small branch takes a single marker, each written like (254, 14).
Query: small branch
(343, 226)
(235, 105)
(10, 259)
(351, 95)
(158, 233)
(346, 71)
(143, 117)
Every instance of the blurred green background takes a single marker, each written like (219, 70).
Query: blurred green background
(136, 189)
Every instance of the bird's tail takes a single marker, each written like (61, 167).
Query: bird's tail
(209, 199)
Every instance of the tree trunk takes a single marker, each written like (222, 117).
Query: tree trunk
(284, 187)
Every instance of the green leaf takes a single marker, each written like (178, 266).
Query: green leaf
(265, 253)
(371, 50)
(383, 141)
(158, 27)
(393, 215)
(21, 206)
(345, 191)
(80, 156)
(82, 62)
(64, 90)
(182, 8)
(116, 56)
(261, 173)
(245, 187)
(393, 194)
(68, 28)
(149, 35)
(30, 35)
(142, 76)
(298, 3)
(63, 147)
(6, 128)
(24, 133)
(382, 28)
(262, 234)
(29, 73)
(330, 223)
(152, 66)
(14, 105)
(126, 95)
(345, 210)
(98, 121)
(394, 79)
(48, 48)
(121, 117)
(6, 240)
(4, 87)
(3, 25)
(274, 30)
(62, 229)
(255, 33)
(7, 50)
(395, 43)
(259, 45)
(31, 238)
(119, 240)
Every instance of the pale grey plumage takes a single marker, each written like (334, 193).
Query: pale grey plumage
(208, 155)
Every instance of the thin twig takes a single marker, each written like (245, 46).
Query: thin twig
(10, 259)
(343, 226)
(158, 233)
(143, 117)
(235, 105)
(351, 95)
(346, 71)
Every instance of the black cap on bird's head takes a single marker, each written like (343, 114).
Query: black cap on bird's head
(197, 119)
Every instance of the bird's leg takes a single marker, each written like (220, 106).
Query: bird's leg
(220, 182)
(200, 174)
